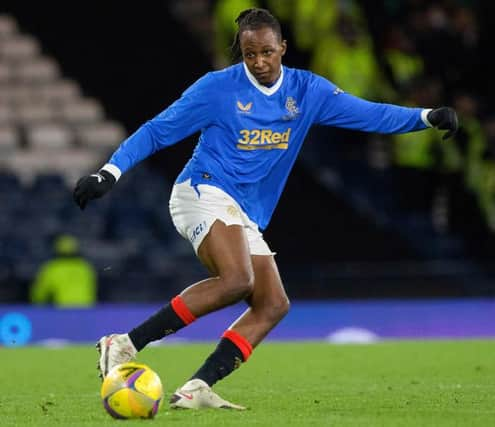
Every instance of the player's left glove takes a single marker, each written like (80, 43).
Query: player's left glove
(444, 118)
(92, 187)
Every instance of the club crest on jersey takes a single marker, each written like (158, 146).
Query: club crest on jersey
(246, 109)
(292, 109)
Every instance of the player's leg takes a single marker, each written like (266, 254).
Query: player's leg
(268, 305)
(225, 252)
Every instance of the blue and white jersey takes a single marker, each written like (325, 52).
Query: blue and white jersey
(251, 134)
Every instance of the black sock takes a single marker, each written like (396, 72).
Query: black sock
(226, 357)
(164, 322)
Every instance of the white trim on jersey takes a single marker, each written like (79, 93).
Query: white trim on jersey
(114, 170)
(424, 117)
(264, 89)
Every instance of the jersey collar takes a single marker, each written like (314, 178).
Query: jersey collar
(264, 89)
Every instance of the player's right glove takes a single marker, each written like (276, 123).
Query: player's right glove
(444, 118)
(92, 187)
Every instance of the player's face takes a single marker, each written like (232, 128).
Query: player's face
(262, 51)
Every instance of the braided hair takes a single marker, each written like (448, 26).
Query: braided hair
(253, 19)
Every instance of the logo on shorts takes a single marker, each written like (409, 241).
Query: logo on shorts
(233, 211)
(197, 231)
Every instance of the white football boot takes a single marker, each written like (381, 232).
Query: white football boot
(114, 349)
(196, 394)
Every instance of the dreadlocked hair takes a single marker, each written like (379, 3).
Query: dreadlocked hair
(253, 19)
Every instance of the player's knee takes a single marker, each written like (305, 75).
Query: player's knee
(245, 282)
(240, 282)
(277, 309)
(282, 307)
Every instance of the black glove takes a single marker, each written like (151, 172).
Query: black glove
(92, 187)
(444, 118)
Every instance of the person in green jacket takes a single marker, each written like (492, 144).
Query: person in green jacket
(68, 280)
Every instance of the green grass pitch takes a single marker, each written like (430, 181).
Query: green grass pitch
(431, 383)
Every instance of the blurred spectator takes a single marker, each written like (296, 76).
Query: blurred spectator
(402, 57)
(470, 138)
(450, 203)
(415, 155)
(486, 188)
(345, 55)
(68, 280)
(311, 20)
(225, 13)
(446, 35)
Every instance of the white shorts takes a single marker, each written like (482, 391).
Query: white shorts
(194, 210)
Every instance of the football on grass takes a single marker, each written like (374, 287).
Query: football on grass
(132, 390)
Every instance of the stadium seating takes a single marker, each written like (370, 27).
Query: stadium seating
(50, 135)
(9, 138)
(46, 123)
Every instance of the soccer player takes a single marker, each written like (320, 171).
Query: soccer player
(253, 117)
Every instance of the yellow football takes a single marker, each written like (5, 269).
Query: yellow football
(132, 390)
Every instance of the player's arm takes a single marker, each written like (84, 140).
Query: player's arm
(340, 109)
(190, 113)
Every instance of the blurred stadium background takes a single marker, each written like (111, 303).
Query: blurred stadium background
(364, 217)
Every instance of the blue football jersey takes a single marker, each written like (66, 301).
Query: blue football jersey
(251, 134)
